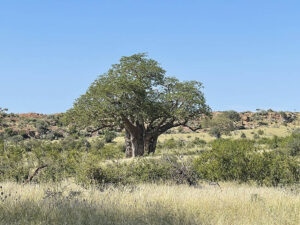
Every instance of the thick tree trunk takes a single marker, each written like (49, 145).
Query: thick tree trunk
(134, 144)
(128, 145)
(137, 145)
(150, 143)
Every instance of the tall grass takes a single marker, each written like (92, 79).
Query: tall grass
(68, 203)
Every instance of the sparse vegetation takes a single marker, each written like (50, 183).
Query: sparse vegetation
(240, 166)
(67, 203)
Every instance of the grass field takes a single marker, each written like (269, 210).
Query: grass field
(269, 131)
(146, 203)
(67, 203)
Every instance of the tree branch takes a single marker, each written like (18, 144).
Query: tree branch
(128, 125)
(193, 129)
(35, 173)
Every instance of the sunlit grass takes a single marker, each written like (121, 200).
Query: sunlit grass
(67, 203)
(269, 131)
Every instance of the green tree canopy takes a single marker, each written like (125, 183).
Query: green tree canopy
(136, 95)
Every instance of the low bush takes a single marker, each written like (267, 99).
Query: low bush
(240, 160)
(172, 144)
(198, 142)
(243, 135)
(293, 145)
(64, 159)
(111, 151)
(260, 132)
(109, 136)
(180, 143)
(142, 170)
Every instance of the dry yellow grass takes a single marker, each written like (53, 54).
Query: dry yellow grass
(269, 131)
(67, 203)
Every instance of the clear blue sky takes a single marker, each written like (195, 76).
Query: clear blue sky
(247, 53)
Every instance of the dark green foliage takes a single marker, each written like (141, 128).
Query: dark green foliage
(259, 115)
(42, 127)
(53, 135)
(9, 132)
(71, 143)
(23, 134)
(232, 115)
(98, 143)
(274, 142)
(222, 124)
(111, 151)
(180, 143)
(293, 145)
(143, 170)
(198, 142)
(273, 169)
(109, 136)
(260, 123)
(16, 138)
(64, 159)
(239, 160)
(289, 144)
(215, 132)
(136, 94)
(229, 160)
(287, 118)
(243, 135)
(172, 143)
(57, 120)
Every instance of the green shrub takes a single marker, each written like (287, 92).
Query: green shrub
(232, 115)
(198, 142)
(63, 159)
(9, 132)
(260, 132)
(243, 135)
(293, 145)
(16, 138)
(273, 169)
(109, 136)
(71, 143)
(42, 127)
(140, 171)
(172, 144)
(98, 143)
(239, 160)
(215, 132)
(53, 135)
(111, 151)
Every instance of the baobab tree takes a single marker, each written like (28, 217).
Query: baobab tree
(137, 96)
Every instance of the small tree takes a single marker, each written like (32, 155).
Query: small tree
(220, 125)
(136, 95)
(215, 131)
(232, 115)
(243, 135)
(42, 127)
(2, 114)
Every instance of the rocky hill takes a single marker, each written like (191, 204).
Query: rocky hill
(42, 126)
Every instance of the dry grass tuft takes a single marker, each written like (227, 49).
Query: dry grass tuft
(68, 203)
